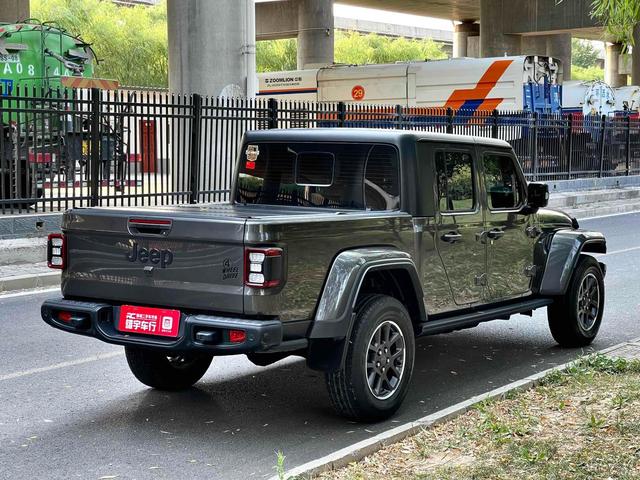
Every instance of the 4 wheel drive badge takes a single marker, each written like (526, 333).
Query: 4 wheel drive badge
(229, 271)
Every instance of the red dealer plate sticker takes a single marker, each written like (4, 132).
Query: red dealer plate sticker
(149, 321)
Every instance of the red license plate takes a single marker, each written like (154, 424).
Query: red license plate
(149, 321)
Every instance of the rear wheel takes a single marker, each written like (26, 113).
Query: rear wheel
(167, 372)
(574, 319)
(375, 377)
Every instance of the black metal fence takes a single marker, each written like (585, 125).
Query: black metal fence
(61, 149)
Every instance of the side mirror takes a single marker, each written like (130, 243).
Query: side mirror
(537, 195)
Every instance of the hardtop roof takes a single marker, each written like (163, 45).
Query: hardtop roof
(366, 135)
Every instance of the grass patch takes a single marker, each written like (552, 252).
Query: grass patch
(582, 423)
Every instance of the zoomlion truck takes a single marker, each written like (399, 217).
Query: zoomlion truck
(527, 82)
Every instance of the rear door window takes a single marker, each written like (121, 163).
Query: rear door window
(454, 170)
(322, 175)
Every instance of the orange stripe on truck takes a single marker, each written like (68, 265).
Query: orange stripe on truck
(482, 89)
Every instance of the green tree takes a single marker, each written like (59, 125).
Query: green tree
(276, 55)
(583, 54)
(356, 48)
(586, 74)
(619, 17)
(350, 48)
(130, 42)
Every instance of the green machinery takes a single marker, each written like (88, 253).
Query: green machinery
(42, 132)
(36, 55)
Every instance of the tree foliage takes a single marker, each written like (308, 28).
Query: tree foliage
(356, 48)
(350, 48)
(130, 42)
(586, 74)
(583, 53)
(618, 16)
(276, 55)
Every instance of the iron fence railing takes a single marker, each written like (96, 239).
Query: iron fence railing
(62, 149)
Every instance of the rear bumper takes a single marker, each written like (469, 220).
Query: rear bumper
(204, 333)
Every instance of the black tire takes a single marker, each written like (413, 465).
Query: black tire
(349, 388)
(575, 318)
(163, 372)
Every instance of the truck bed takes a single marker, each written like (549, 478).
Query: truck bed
(206, 246)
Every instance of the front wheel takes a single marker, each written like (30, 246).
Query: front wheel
(574, 319)
(375, 377)
(167, 372)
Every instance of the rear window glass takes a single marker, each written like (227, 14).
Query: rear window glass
(315, 169)
(323, 175)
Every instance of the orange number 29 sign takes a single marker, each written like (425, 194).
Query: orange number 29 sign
(357, 93)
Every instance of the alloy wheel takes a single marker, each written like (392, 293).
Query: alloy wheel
(385, 360)
(588, 302)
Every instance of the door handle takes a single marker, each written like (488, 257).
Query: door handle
(451, 237)
(495, 234)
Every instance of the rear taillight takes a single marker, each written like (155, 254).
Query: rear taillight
(56, 251)
(237, 336)
(263, 267)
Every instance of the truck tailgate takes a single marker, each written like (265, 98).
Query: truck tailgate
(185, 257)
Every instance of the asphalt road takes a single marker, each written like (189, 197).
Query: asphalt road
(69, 407)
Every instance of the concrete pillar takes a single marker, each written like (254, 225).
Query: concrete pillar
(462, 32)
(493, 42)
(12, 11)
(534, 45)
(315, 33)
(211, 46)
(559, 46)
(473, 46)
(635, 56)
(611, 75)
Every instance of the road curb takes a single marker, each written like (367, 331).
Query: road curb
(29, 281)
(358, 451)
(603, 211)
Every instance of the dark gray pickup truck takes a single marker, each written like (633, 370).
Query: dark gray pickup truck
(338, 245)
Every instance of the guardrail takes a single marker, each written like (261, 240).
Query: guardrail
(62, 149)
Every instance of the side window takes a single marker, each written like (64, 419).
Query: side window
(454, 172)
(381, 179)
(504, 189)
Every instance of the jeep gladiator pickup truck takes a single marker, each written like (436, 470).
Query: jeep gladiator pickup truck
(338, 245)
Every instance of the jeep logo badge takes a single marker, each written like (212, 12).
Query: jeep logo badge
(163, 258)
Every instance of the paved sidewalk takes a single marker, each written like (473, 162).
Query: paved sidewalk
(27, 276)
(593, 203)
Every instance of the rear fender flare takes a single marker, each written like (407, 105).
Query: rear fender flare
(563, 255)
(334, 315)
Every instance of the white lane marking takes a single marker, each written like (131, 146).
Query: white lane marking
(71, 363)
(624, 250)
(29, 292)
(607, 216)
